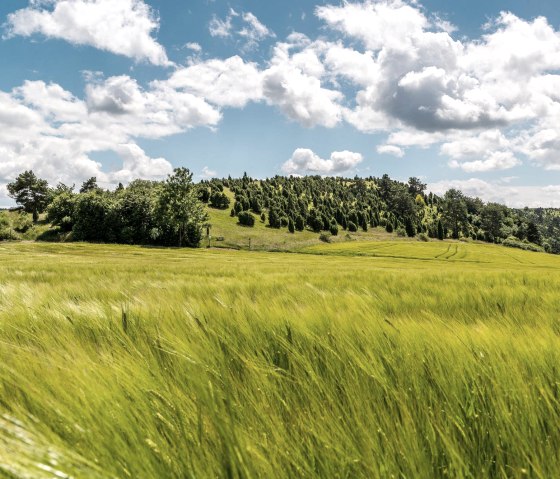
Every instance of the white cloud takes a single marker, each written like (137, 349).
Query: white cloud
(254, 31)
(513, 196)
(413, 80)
(231, 82)
(248, 27)
(123, 27)
(195, 47)
(221, 28)
(390, 150)
(490, 150)
(45, 128)
(305, 161)
(208, 173)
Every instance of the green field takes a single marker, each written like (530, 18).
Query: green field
(389, 359)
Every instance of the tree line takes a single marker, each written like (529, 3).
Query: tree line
(174, 211)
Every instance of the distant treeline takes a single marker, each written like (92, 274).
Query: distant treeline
(172, 212)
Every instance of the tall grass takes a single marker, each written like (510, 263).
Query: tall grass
(132, 362)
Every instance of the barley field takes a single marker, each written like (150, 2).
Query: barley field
(355, 359)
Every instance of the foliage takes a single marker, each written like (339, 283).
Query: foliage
(180, 214)
(30, 192)
(246, 219)
(513, 242)
(219, 200)
(455, 212)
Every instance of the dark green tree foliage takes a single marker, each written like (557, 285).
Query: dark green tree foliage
(333, 228)
(246, 219)
(491, 219)
(533, 234)
(30, 192)
(274, 218)
(171, 212)
(409, 228)
(440, 234)
(291, 226)
(91, 213)
(455, 212)
(180, 214)
(60, 212)
(89, 185)
(219, 200)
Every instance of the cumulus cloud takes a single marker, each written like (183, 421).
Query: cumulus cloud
(45, 128)
(123, 27)
(390, 150)
(413, 80)
(502, 192)
(231, 82)
(208, 173)
(304, 161)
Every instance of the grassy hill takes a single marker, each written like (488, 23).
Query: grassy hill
(262, 237)
(352, 359)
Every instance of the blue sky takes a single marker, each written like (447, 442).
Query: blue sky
(462, 94)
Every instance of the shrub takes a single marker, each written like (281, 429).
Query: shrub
(22, 222)
(246, 219)
(352, 227)
(333, 228)
(401, 231)
(423, 237)
(513, 242)
(325, 238)
(219, 200)
(389, 227)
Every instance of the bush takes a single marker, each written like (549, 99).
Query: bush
(389, 227)
(401, 231)
(246, 219)
(513, 242)
(352, 227)
(423, 237)
(22, 222)
(325, 238)
(333, 228)
(219, 200)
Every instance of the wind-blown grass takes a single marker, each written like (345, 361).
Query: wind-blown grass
(140, 362)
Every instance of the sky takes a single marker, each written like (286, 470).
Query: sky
(462, 94)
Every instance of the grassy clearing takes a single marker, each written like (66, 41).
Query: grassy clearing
(262, 237)
(412, 360)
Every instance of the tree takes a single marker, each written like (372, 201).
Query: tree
(246, 219)
(533, 234)
(455, 212)
(440, 233)
(89, 185)
(179, 209)
(30, 192)
(415, 187)
(61, 211)
(409, 228)
(291, 226)
(491, 217)
(219, 200)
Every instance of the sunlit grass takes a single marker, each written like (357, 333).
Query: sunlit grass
(412, 360)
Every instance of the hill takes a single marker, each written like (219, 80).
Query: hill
(351, 359)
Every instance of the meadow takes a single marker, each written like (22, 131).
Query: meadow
(377, 359)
